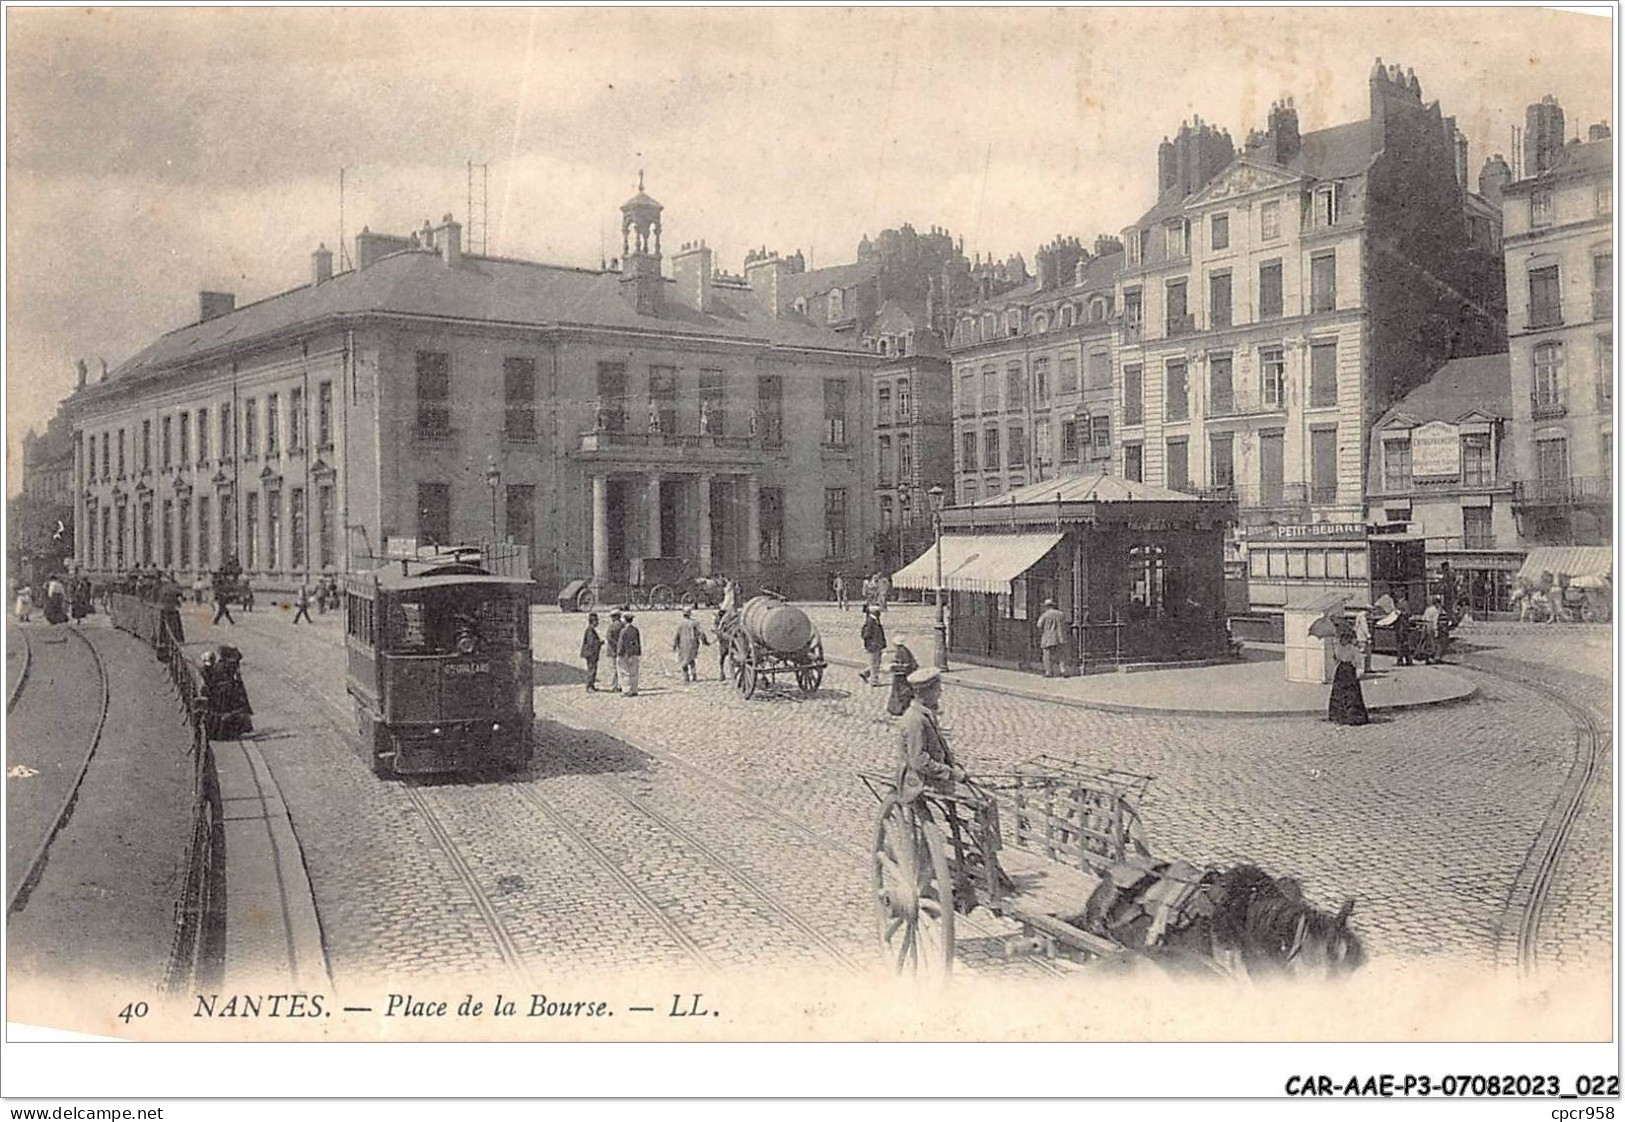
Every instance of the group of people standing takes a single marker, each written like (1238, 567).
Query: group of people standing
(1425, 637)
(876, 589)
(60, 598)
(625, 644)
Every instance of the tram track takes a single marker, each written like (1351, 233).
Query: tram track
(755, 804)
(1531, 889)
(748, 885)
(35, 867)
(421, 794)
(22, 675)
(490, 918)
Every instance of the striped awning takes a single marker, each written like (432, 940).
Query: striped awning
(1573, 560)
(976, 562)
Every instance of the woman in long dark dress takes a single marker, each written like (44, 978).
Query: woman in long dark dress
(1347, 704)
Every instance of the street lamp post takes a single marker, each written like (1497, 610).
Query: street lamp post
(903, 501)
(941, 628)
(493, 480)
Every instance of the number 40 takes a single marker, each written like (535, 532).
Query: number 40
(132, 1011)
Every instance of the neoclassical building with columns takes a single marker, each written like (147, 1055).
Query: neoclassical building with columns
(596, 415)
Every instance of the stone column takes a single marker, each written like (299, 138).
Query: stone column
(705, 523)
(753, 521)
(651, 546)
(600, 530)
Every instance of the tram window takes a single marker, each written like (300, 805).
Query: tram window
(457, 621)
(1317, 564)
(1255, 563)
(1358, 569)
(1337, 564)
(1277, 562)
(1295, 564)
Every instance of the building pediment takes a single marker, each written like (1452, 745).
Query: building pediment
(1243, 177)
(1399, 422)
(1477, 417)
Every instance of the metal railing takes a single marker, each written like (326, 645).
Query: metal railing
(1547, 404)
(197, 947)
(1181, 325)
(1564, 492)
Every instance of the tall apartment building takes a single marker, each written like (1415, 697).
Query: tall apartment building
(1032, 374)
(596, 415)
(1559, 233)
(1274, 302)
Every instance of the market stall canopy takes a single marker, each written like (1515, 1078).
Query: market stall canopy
(1573, 560)
(976, 563)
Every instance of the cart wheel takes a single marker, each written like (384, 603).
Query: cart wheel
(586, 599)
(745, 678)
(809, 678)
(688, 600)
(660, 598)
(914, 911)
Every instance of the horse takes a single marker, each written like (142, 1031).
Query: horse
(1238, 922)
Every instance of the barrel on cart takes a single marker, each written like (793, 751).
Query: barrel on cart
(769, 637)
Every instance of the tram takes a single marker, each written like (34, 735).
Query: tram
(438, 662)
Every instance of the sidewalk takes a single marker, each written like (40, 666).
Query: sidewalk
(1256, 686)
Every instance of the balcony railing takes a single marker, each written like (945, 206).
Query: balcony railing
(1546, 405)
(1575, 489)
(598, 439)
(1181, 325)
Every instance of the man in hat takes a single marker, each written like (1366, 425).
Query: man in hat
(629, 654)
(687, 643)
(612, 647)
(873, 635)
(1051, 637)
(923, 757)
(591, 644)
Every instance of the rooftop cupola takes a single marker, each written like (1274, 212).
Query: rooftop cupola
(641, 282)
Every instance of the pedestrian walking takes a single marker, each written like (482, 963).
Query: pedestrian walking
(612, 644)
(301, 605)
(687, 643)
(903, 663)
(321, 598)
(1432, 647)
(591, 644)
(79, 597)
(630, 655)
(882, 590)
(200, 589)
(873, 634)
(168, 596)
(839, 584)
(222, 601)
(25, 603)
(1347, 704)
(56, 601)
(1402, 631)
(1051, 638)
(1362, 637)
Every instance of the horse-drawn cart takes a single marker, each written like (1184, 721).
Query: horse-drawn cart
(1080, 880)
(654, 583)
(769, 637)
(945, 852)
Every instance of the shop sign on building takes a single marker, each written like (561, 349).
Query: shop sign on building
(1435, 451)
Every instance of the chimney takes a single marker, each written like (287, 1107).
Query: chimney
(1165, 166)
(765, 276)
(369, 247)
(213, 305)
(1543, 136)
(321, 263)
(693, 267)
(1493, 178)
(448, 239)
(1283, 132)
(1459, 145)
(1600, 131)
(1046, 268)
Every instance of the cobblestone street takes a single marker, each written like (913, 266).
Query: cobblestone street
(690, 826)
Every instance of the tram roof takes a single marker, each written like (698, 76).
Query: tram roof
(391, 578)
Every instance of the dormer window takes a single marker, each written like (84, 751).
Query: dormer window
(1178, 233)
(1040, 324)
(1540, 208)
(837, 304)
(1136, 246)
(990, 326)
(1012, 322)
(1326, 205)
(800, 306)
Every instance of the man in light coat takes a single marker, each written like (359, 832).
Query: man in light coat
(1051, 638)
(612, 647)
(687, 642)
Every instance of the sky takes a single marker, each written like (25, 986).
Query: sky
(153, 153)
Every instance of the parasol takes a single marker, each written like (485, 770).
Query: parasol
(1589, 580)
